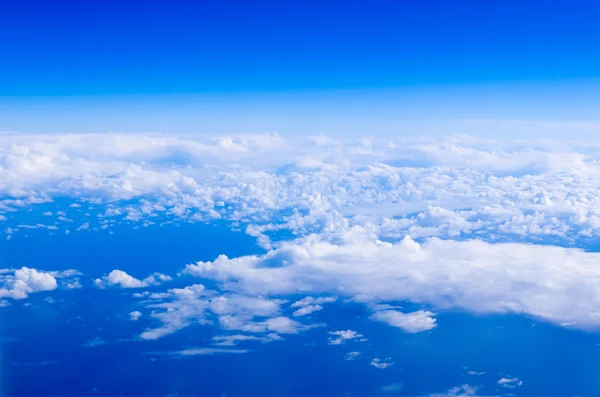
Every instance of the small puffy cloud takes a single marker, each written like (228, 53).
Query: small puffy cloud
(381, 364)
(339, 337)
(414, 322)
(510, 383)
(135, 315)
(351, 356)
(122, 279)
(72, 284)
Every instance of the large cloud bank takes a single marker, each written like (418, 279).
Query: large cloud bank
(444, 223)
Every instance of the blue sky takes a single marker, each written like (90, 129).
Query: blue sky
(299, 68)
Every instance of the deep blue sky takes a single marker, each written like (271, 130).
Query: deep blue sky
(102, 52)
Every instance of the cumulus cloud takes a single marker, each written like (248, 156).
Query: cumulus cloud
(553, 283)
(510, 383)
(339, 337)
(414, 322)
(449, 187)
(22, 282)
(182, 307)
(135, 315)
(122, 279)
(350, 356)
(420, 220)
(381, 364)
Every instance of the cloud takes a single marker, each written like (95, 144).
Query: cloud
(121, 279)
(447, 187)
(234, 340)
(280, 324)
(135, 315)
(552, 283)
(98, 341)
(20, 283)
(459, 391)
(420, 220)
(310, 305)
(393, 387)
(510, 383)
(207, 351)
(351, 356)
(414, 322)
(343, 336)
(182, 307)
(381, 364)
(476, 373)
(311, 301)
(303, 311)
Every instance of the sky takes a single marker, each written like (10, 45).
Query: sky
(272, 199)
(419, 67)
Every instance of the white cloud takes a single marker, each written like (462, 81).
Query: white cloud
(234, 340)
(280, 324)
(311, 301)
(20, 283)
(350, 356)
(381, 364)
(552, 283)
(414, 322)
(438, 187)
(459, 391)
(342, 336)
(510, 383)
(182, 307)
(310, 305)
(476, 373)
(303, 311)
(351, 203)
(393, 387)
(135, 315)
(124, 280)
(208, 351)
